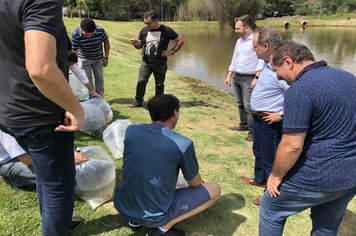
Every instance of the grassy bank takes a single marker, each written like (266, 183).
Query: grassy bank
(205, 115)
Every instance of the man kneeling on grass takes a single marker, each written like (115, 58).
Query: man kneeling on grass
(153, 155)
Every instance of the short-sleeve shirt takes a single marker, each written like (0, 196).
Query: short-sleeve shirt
(155, 41)
(322, 103)
(21, 103)
(89, 48)
(153, 155)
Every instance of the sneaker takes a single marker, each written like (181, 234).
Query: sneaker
(249, 137)
(170, 232)
(136, 104)
(134, 225)
(77, 221)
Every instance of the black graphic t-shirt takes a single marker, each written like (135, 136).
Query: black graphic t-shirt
(155, 41)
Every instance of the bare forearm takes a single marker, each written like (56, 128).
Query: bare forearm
(286, 157)
(178, 45)
(107, 49)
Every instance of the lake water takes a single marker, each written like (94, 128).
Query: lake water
(206, 55)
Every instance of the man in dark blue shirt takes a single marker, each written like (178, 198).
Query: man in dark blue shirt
(315, 165)
(154, 39)
(153, 156)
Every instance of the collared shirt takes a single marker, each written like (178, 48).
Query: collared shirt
(89, 48)
(268, 95)
(322, 103)
(244, 59)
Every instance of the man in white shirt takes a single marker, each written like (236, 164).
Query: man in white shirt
(243, 73)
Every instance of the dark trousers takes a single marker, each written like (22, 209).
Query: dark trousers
(265, 141)
(53, 162)
(146, 69)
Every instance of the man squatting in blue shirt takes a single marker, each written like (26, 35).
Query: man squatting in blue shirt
(153, 155)
(315, 165)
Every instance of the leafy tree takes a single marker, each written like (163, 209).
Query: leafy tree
(278, 8)
(70, 4)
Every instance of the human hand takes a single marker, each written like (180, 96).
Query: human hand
(253, 83)
(105, 61)
(71, 122)
(166, 53)
(273, 183)
(227, 81)
(79, 158)
(96, 94)
(272, 117)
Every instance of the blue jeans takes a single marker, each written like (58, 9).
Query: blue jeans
(243, 90)
(53, 162)
(97, 67)
(19, 174)
(265, 141)
(159, 70)
(327, 209)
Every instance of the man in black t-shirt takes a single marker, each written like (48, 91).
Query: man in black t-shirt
(154, 39)
(38, 107)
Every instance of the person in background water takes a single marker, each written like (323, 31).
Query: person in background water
(154, 39)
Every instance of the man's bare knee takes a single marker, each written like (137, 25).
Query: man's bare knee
(213, 189)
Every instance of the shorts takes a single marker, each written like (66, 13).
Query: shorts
(185, 200)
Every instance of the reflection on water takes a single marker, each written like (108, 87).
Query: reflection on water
(207, 55)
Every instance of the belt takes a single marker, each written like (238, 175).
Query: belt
(244, 75)
(259, 114)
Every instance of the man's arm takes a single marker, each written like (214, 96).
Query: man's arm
(106, 51)
(229, 78)
(196, 181)
(138, 44)
(48, 78)
(288, 152)
(179, 43)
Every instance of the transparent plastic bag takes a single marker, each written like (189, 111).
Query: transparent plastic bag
(93, 118)
(95, 178)
(104, 106)
(181, 182)
(80, 91)
(114, 136)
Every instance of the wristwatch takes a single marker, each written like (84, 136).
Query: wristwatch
(256, 77)
(281, 113)
(171, 52)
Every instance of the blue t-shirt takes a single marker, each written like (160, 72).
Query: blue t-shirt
(322, 103)
(153, 155)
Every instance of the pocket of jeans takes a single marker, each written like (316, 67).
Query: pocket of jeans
(39, 138)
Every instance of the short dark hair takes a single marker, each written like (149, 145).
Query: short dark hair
(72, 57)
(152, 14)
(297, 52)
(87, 25)
(246, 20)
(161, 107)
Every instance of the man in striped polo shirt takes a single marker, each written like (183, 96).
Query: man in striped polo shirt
(87, 41)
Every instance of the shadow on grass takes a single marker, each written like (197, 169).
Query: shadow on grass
(220, 219)
(348, 224)
(197, 103)
(127, 101)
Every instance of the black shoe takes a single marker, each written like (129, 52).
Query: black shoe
(136, 104)
(134, 225)
(239, 128)
(77, 221)
(170, 232)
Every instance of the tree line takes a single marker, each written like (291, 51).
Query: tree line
(223, 11)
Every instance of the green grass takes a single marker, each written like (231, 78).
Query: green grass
(205, 115)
